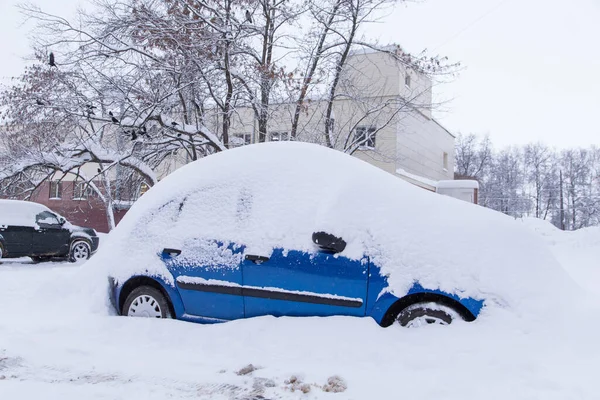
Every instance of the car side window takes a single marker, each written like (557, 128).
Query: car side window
(46, 218)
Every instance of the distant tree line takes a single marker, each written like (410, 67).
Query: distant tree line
(561, 186)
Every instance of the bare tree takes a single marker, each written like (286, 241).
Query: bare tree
(576, 173)
(523, 181)
(473, 156)
(540, 172)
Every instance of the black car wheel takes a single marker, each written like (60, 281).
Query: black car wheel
(80, 250)
(146, 301)
(1, 250)
(421, 314)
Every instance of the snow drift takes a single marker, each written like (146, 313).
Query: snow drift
(577, 251)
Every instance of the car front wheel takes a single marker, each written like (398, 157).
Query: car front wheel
(80, 250)
(147, 302)
(421, 314)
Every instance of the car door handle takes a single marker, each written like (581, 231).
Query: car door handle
(256, 259)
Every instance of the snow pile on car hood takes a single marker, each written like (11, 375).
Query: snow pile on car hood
(277, 194)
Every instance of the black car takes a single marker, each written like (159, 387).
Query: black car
(33, 230)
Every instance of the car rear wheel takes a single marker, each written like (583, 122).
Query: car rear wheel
(421, 314)
(80, 250)
(146, 302)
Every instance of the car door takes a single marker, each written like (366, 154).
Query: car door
(17, 239)
(208, 277)
(49, 237)
(297, 283)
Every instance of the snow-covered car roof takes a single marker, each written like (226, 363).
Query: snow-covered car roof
(275, 195)
(19, 213)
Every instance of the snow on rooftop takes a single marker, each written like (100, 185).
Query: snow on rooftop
(19, 213)
(17, 205)
(416, 178)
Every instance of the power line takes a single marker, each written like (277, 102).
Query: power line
(451, 38)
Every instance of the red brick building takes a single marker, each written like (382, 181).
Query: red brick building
(77, 203)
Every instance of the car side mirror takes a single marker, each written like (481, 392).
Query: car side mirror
(170, 253)
(62, 221)
(329, 242)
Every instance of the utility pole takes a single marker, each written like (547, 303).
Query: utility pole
(562, 205)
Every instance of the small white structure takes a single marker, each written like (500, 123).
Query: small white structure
(461, 189)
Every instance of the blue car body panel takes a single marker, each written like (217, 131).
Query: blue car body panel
(284, 283)
(297, 283)
(196, 283)
(170, 290)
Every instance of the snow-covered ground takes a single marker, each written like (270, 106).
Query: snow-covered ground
(577, 251)
(54, 344)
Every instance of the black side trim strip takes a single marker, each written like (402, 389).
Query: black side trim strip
(269, 294)
(201, 287)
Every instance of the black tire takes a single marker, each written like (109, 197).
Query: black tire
(427, 313)
(1, 250)
(154, 302)
(79, 250)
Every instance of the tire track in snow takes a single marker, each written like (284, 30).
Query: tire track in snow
(254, 388)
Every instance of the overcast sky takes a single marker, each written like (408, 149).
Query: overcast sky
(532, 67)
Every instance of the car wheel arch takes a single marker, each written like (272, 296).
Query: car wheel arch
(75, 238)
(140, 280)
(424, 297)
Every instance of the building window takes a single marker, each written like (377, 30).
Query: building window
(445, 161)
(279, 136)
(241, 139)
(407, 80)
(81, 190)
(55, 190)
(364, 136)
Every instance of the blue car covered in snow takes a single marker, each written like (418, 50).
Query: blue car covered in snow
(292, 229)
(286, 283)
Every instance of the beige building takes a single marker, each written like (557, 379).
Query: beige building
(380, 104)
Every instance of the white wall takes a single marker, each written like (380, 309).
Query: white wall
(370, 74)
(420, 146)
